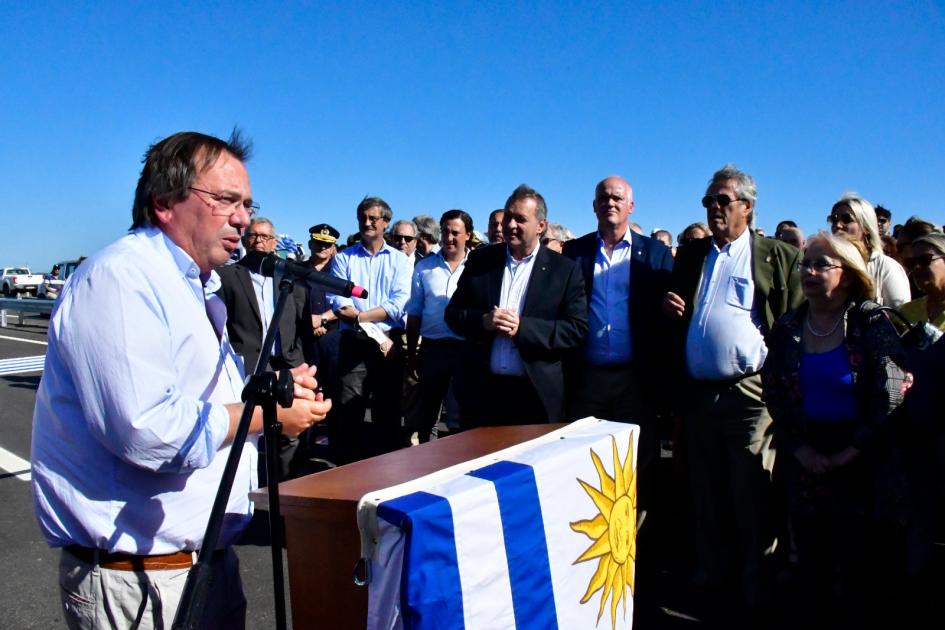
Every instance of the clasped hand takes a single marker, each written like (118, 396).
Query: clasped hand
(503, 321)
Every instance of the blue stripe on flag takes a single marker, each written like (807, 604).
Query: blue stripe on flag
(431, 595)
(525, 547)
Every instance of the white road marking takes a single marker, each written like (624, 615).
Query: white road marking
(42, 343)
(20, 468)
(22, 364)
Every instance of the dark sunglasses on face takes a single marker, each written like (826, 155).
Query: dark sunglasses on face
(403, 237)
(925, 260)
(721, 199)
(845, 218)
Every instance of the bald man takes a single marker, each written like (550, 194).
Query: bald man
(625, 276)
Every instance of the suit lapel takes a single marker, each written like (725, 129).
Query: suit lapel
(588, 258)
(246, 283)
(536, 281)
(497, 268)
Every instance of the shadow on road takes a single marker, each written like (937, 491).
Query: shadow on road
(23, 382)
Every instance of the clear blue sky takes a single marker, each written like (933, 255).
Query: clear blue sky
(441, 105)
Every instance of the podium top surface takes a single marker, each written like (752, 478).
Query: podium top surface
(344, 486)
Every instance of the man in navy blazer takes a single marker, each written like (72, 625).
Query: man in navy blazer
(620, 370)
(520, 308)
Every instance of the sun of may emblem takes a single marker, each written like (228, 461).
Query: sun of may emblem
(613, 532)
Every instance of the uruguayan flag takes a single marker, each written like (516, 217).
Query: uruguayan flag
(541, 535)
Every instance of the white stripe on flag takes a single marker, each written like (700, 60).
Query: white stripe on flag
(480, 554)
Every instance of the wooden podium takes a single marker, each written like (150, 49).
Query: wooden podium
(321, 525)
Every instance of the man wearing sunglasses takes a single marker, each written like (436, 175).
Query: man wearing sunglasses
(727, 291)
(403, 238)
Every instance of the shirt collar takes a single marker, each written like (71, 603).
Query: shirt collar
(735, 246)
(527, 258)
(182, 259)
(626, 238)
(361, 249)
(439, 255)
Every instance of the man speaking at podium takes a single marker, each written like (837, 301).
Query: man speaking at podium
(139, 401)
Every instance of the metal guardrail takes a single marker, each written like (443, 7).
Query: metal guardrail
(21, 307)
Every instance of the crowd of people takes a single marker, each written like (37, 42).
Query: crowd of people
(801, 417)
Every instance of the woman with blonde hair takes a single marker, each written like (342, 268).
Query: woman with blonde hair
(832, 379)
(855, 218)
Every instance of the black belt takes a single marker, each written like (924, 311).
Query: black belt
(445, 341)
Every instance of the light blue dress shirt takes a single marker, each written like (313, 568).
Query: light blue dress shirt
(724, 339)
(505, 358)
(433, 285)
(608, 334)
(129, 423)
(385, 275)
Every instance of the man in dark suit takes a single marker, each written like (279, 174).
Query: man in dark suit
(520, 308)
(250, 300)
(622, 366)
(727, 291)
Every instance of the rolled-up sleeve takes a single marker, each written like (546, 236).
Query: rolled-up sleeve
(339, 269)
(396, 302)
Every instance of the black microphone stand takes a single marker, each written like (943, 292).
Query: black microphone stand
(264, 389)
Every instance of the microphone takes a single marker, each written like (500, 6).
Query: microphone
(270, 265)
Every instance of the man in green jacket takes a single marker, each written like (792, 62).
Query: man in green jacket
(727, 291)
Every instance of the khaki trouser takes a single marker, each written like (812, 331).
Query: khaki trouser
(97, 598)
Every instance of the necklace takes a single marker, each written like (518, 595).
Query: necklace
(829, 332)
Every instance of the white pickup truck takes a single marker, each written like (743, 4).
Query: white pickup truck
(19, 280)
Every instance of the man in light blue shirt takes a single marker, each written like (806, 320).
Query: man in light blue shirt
(434, 281)
(620, 372)
(139, 401)
(370, 368)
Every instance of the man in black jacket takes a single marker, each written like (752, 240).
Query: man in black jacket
(250, 301)
(620, 371)
(520, 307)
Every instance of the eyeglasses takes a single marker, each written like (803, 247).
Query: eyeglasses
(548, 239)
(845, 218)
(231, 202)
(817, 266)
(721, 199)
(265, 238)
(403, 237)
(925, 260)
